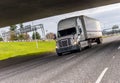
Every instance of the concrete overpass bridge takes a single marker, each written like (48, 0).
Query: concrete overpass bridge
(17, 11)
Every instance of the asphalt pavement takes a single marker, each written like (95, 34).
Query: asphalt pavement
(99, 64)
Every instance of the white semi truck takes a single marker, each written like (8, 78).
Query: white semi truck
(76, 33)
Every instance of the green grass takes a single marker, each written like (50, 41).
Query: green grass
(14, 49)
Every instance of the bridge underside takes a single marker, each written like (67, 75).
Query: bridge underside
(17, 11)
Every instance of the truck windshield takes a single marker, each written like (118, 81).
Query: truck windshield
(70, 31)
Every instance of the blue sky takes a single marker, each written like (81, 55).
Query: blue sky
(108, 16)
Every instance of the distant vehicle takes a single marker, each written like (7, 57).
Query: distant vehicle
(76, 33)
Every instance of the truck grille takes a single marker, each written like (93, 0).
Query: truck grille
(65, 43)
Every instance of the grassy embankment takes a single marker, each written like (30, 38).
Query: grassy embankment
(14, 49)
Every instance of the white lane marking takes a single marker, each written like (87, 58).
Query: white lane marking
(118, 47)
(101, 75)
(70, 57)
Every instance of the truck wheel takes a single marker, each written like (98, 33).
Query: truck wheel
(59, 54)
(89, 45)
(99, 41)
(80, 48)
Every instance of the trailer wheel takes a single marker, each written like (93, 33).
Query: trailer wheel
(99, 41)
(89, 45)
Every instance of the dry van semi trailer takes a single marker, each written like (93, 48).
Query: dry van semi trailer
(76, 33)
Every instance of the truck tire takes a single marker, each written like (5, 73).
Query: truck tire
(59, 54)
(99, 41)
(89, 44)
(80, 48)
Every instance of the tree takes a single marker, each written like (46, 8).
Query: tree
(36, 35)
(13, 27)
(1, 39)
(13, 36)
(21, 37)
(21, 25)
(51, 35)
(26, 36)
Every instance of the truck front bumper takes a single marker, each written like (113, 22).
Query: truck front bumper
(67, 49)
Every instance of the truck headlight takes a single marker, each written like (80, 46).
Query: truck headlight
(75, 43)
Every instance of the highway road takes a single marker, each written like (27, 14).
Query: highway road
(99, 64)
